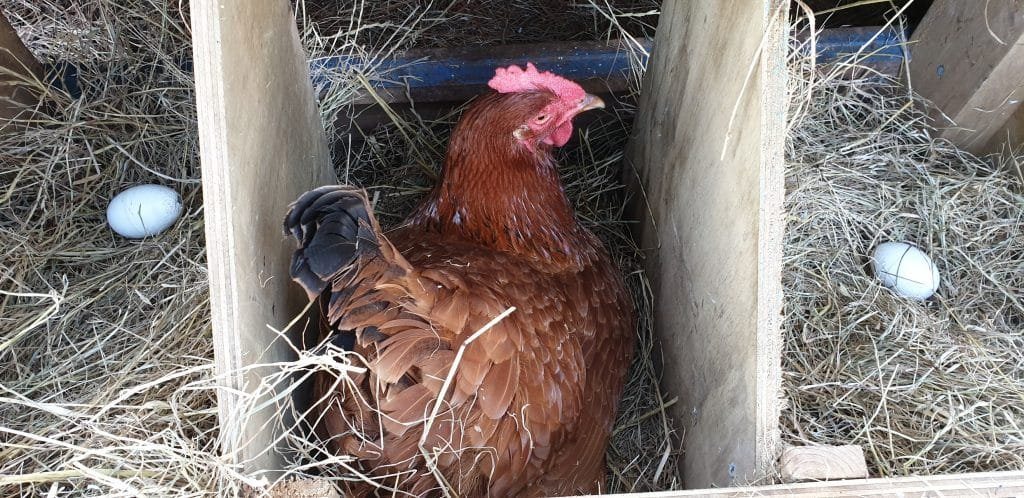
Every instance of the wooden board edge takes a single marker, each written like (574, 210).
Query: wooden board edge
(212, 123)
(991, 484)
(771, 231)
(1011, 135)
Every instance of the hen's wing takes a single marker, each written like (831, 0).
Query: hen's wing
(516, 390)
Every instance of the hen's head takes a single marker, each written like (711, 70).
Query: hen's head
(550, 103)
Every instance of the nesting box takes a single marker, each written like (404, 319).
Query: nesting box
(708, 144)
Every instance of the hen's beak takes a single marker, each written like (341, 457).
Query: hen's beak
(591, 102)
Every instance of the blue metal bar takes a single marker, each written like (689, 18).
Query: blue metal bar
(471, 67)
(837, 44)
(447, 74)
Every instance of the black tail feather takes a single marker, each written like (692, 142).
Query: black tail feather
(346, 340)
(331, 226)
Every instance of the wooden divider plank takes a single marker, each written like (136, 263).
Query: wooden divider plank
(708, 148)
(262, 144)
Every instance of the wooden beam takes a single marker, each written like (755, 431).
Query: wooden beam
(989, 484)
(262, 144)
(17, 66)
(708, 149)
(968, 59)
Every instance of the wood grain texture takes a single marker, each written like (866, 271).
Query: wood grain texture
(262, 144)
(713, 183)
(806, 463)
(1011, 134)
(15, 95)
(989, 484)
(968, 59)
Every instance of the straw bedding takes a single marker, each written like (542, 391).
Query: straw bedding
(931, 387)
(100, 336)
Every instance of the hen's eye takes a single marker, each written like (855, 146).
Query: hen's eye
(540, 119)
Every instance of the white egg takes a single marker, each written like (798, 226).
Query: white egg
(143, 211)
(905, 269)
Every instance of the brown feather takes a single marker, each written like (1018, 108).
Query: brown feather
(472, 369)
(451, 311)
(406, 408)
(496, 391)
(434, 369)
(403, 350)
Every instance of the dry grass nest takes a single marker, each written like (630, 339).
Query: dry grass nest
(925, 387)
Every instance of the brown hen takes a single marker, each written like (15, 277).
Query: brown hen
(526, 404)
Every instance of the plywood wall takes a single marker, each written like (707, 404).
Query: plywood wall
(708, 149)
(262, 144)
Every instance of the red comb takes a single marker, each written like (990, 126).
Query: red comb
(514, 79)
